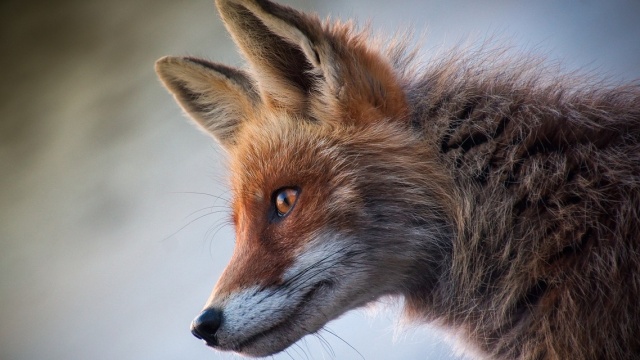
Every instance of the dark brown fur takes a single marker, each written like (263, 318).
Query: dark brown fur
(546, 261)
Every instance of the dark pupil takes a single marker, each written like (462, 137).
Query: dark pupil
(285, 200)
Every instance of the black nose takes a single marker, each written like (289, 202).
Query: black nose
(206, 325)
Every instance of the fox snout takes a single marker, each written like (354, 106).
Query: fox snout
(329, 275)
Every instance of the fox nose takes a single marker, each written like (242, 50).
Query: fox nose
(206, 325)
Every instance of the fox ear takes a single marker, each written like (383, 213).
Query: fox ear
(284, 47)
(217, 97)
(294, 59)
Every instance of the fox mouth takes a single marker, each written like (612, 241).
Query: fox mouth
(292, 321)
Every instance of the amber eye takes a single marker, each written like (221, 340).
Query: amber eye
(285, 199)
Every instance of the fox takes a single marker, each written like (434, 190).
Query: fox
(497, 198)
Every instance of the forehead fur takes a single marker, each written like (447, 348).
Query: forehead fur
(340, 163)
(277, 149)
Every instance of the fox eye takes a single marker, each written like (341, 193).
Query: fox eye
(285, 199)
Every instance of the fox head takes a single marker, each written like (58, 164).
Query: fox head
(336, 200)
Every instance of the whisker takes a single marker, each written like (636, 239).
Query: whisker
(287, 352)
(344, 341)
(325, 345)
(217, 197)
(298, 346)
(222, 209)
(187, 224)
(213, 230)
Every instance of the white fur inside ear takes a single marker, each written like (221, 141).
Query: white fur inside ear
(218, 98)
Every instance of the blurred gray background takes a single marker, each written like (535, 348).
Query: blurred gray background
(111, 231)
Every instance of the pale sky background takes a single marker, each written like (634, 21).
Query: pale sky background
(106, 250)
